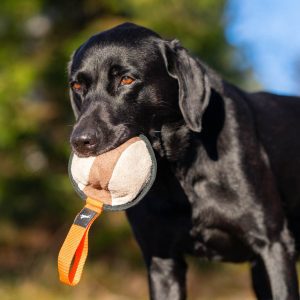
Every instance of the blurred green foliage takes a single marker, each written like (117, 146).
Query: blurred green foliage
(37, 38)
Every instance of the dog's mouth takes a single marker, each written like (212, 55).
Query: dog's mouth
(122, 136)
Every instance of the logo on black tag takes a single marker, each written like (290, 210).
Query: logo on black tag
(84, 217)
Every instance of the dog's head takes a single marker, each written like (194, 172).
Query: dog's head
(127, 81)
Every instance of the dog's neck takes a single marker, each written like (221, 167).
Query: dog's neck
(172, 140)
(175, 142)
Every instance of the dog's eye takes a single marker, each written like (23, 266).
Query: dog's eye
(126, 80)
(76, 86)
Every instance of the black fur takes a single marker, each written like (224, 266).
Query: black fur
(228, 183)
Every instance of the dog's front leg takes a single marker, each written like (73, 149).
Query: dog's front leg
(167, 278)
(161, 225)
(281, 271)
(158, 238)
(260, 280)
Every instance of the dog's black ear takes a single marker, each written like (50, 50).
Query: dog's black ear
(194, 87)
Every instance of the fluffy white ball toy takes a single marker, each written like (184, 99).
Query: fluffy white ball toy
(118, 178)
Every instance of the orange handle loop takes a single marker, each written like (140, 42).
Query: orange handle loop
(73, 253)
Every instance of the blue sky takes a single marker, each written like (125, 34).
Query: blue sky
(268, 34)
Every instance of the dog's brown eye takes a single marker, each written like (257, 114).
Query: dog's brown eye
(76, 86)
(126, 80)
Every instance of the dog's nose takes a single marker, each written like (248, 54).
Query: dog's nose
(84, 143)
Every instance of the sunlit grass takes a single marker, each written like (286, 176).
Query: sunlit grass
(121, 281)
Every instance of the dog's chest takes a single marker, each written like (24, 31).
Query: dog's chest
(218, 219)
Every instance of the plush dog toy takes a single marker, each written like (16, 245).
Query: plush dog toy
(118, 178)
(115, 180)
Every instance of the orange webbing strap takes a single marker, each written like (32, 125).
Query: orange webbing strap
(73, 253)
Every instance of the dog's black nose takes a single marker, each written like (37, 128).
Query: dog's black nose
(84, 143)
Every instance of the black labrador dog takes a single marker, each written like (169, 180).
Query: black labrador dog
(228, 183)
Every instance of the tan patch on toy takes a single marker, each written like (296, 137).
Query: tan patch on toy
(101, 172)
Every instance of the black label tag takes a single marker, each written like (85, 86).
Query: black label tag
(84, 217)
